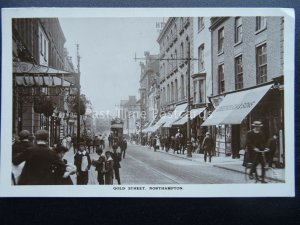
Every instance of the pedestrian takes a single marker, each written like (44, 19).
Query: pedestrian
(109, 168)
(255, 144)
(19, 146)
(40, 162)
(82, 161)
(123, 147)
(207, 146)
(273, 146)
(69, 142)
(157, 142)
(110, 140)
(178, 142)
(102, 142)
(100, 166)
(116, 156)
(68, 170)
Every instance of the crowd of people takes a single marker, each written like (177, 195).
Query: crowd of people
(35, 163)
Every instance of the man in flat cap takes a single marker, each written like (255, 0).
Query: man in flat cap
(40, 163)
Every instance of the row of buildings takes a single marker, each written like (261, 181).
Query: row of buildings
(44, 78)
(234, 66)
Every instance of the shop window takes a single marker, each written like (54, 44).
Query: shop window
(201, 57)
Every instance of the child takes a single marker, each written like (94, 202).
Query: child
(82, 161)
(100, 165)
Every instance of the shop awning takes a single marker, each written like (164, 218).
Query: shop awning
(176, 114)
(159, 123)
(236, 106)
(193, 114)
(28, 74)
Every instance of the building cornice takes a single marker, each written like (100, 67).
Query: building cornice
(165, 29)
(216, 21)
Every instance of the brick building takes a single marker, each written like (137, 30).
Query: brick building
(247, 79)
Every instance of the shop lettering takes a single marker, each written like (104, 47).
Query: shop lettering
(244, 105)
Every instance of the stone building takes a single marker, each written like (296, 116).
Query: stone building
(176, 42)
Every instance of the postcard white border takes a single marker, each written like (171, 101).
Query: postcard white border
(286, 189)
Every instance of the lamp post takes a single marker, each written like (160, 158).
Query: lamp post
(188, 133)
(78, 96)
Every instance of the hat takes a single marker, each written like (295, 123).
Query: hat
(24, 134)
(257, 124)
(207, 133)
(41, 135)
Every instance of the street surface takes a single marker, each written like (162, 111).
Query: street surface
(144, 166)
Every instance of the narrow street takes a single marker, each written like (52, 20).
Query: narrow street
(144, 166)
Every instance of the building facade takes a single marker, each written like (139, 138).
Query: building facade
(149, 88)
(176, 45)
(247, 63)
(39, 61)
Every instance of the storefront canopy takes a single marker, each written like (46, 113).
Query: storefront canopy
(27, 74)
(176, 114)
(193, 114)
(159, 123)
(236, 106)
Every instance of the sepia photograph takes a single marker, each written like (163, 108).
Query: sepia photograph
(147, 103)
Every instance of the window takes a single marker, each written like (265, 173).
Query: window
(261, 64)
(176, 90)
(221, 79)
(41, 44)
(176, 58)
(45, 49)
(181, 22)
(182, 87)
(175, 31)
(181, 52)
(238, 73)
(168, 93)
(261, 23)
(201, 91)
(172, 92)
(195, 92)
(238, 29)
(200, 23)
(201, 57)
(221, 40)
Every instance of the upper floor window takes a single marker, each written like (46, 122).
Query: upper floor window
(221, 79)
(201, 57)
(221, 40)
(181, 22)
(238, 29)
(238, 73)
(261, 22)
(261, 64)
(200, 23)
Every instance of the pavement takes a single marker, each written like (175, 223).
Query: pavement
(228, 163)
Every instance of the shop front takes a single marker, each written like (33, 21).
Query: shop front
(232, 118)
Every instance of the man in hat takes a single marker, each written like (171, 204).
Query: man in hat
(255, 144)
(40, 162)
(18, 147)
(109, 168)
(207, 146)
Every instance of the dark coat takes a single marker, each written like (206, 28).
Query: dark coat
(117, 159)
(208, 144)
(123, 145)
(42, 166)
(78, 160)
(100, 164)
(19, 147)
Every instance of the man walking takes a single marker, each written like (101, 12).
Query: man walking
(117, 159)
(41, 163)
(207, 146)
(109, 168)
(123, 147)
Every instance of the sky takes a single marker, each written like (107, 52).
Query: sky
(107, 47)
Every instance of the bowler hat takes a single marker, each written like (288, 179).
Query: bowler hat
(257, 124)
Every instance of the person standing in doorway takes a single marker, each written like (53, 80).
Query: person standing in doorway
(273, 146)
(207, 146)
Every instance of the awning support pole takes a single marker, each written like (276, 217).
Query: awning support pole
(188, 133)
